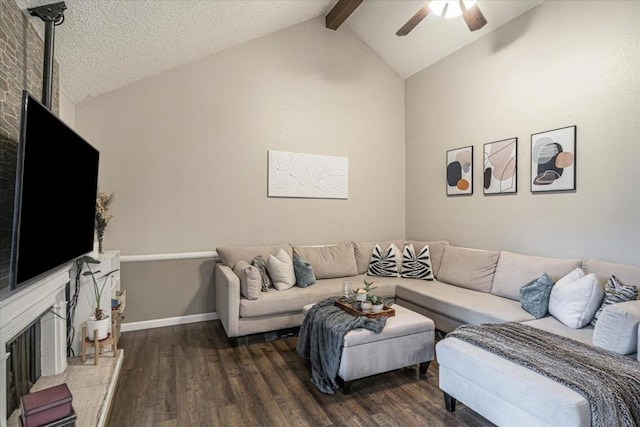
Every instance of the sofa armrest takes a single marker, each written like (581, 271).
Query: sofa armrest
(617, 327)
(227, 286)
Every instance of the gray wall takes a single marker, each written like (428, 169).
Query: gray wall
(558, 65)
(162, 289)
(186, 154)
(185, 151)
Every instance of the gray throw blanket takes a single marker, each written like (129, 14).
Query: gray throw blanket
(610, 382)
(321, 339)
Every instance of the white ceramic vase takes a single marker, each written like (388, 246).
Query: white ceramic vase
(377, 308)
(366, 306)
(103, 326)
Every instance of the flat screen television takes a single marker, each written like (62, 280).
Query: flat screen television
(55, 197)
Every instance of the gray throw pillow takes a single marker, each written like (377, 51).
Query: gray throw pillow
(304, 272)
(615, 292)
(261, 265)
(534, 296)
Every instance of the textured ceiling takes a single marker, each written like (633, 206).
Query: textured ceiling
(376, 22)
(104, 45)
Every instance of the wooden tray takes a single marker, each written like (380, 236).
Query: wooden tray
(386, 310)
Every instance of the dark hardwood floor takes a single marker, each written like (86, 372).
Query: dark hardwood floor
(189, 375)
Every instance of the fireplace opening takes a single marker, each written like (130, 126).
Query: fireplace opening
(23, 365)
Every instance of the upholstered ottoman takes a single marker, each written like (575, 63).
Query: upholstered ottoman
(407, 339)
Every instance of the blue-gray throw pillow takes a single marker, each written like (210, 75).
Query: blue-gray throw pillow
(534, 296)
(304, 272)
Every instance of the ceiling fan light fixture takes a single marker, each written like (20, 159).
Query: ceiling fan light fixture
(449, 8)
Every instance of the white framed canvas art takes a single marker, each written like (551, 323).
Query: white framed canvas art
(307, 175)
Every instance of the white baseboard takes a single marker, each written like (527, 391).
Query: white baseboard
(169, 321)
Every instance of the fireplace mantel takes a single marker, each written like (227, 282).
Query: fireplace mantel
(21, 308)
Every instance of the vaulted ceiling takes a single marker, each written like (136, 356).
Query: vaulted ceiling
(103, 45)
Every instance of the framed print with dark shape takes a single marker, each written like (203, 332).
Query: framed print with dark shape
(460, 171)
(499, 173)
(553, 160)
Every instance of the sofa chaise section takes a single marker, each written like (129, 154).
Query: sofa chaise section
(509, 394)
(505, 393)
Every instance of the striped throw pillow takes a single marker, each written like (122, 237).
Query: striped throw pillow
(384, 263)
(615, 292)
(416, 266)
(261, 265)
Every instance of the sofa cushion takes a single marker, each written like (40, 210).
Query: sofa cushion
(603, 270)
(303, 271)
(463, 305)
(575, 301)
(362, 252)
(405, 322)
(261, 265)
(250, 279)
(515, 269)
(553, 325)
(617, 328)
(384, 262)
(468, 268)
(534, 296)
(329, 261)
(274, 303)
(280, 268)
(615, 292)
(230, 255)
(436, 249)
(416, 265)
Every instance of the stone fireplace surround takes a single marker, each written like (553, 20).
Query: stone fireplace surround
(22, 307)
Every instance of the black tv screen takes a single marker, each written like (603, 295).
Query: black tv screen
(55, 201)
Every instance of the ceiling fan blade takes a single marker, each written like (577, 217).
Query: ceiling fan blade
(340, 13)
(473, 17)
(411, 23)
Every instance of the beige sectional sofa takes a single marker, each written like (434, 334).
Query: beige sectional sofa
(472, 286)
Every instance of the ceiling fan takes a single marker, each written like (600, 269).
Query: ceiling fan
(449, 9)
(468, 9)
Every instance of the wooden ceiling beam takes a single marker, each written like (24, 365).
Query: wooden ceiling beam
(340, 12)
(415, 20)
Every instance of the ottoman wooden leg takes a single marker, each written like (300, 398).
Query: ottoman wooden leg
(449, 402)
(346, 387)
(423, 369)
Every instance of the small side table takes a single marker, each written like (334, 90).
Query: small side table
(98, 345)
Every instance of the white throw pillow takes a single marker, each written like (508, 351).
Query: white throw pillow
(575, 301)
(280, 268)
(571, 277)
(617, 326)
